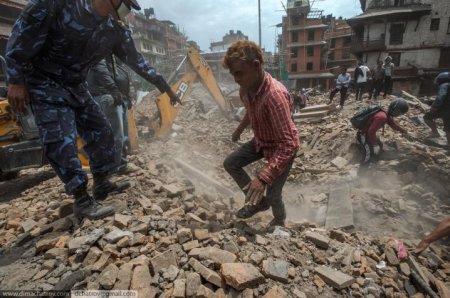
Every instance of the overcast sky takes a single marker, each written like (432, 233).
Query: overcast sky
(206, 21)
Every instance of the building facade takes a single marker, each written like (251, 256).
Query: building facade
(303, 45)
(149, 35)
(339, 39)
(227, 40)
(415, 33)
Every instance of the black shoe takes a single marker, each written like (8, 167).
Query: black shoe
(248, 211)
(102, 186)
(86, 207)
(276, 222)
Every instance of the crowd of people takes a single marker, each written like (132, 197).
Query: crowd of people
(365, 80)
(67, 71)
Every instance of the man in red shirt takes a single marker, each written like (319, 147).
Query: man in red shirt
(268, 111)
(367, 136)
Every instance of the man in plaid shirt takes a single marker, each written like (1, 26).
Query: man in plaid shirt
(268, 111)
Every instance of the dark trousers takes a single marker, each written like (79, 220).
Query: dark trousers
(387, 85)
(360, 88)
(367, 151)
(375, 89)
(59, 124)
(234, 164)
(343, 91)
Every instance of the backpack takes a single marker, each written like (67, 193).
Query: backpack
(361, 118)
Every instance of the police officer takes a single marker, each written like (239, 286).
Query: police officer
(51, 48)
(109, 84)
(441, 106)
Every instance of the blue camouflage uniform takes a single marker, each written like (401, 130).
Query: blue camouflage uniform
(51, 48)
(441, 106)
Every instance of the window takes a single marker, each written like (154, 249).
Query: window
(346, 54)
(333, 43)
(434, 26)
(396, 34)
(294, 37)
(294, 53)
(310, 51)
(309, 66)
(294, 67)
(395, 58)
(331, 56)
(347, 40)
(310, 35)
(295, 20)
(444, 61)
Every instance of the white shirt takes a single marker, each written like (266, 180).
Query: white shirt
(388, 69)
(363, 78)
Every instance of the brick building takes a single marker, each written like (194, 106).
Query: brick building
(149, 37)
(339, 38)
(415, 33)
(176, 42)
(304, 45)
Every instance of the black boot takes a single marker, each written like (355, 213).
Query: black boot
(102, 186)
(86, 207)
(279, 214)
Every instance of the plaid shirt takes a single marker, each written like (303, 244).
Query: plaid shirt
(275, 133)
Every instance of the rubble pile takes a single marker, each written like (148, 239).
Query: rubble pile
(174, 233)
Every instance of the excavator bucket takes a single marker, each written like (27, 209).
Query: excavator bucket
(167, 111)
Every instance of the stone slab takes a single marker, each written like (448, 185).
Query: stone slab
(334, 278)
(340, 209)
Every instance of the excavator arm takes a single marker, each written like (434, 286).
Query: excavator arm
(198, 69)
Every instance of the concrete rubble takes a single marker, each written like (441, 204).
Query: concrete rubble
(175, 235)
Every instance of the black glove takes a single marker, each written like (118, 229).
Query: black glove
(118, 99)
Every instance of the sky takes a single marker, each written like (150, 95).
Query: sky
(206, 21)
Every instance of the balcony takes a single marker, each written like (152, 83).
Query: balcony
(360, 46)
(389, 4)
(306, 44)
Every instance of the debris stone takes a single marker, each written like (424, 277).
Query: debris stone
(108, 277)
(318, 240)
(164, 260)
(208, 274)
(334, 278)
(218, 256)
(193, 282)
(276, 270)
(241, 275)
(179, 288)
(276, 292)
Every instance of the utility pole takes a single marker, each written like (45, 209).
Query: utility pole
(259, 21)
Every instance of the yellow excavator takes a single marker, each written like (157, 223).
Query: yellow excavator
(19, 144)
